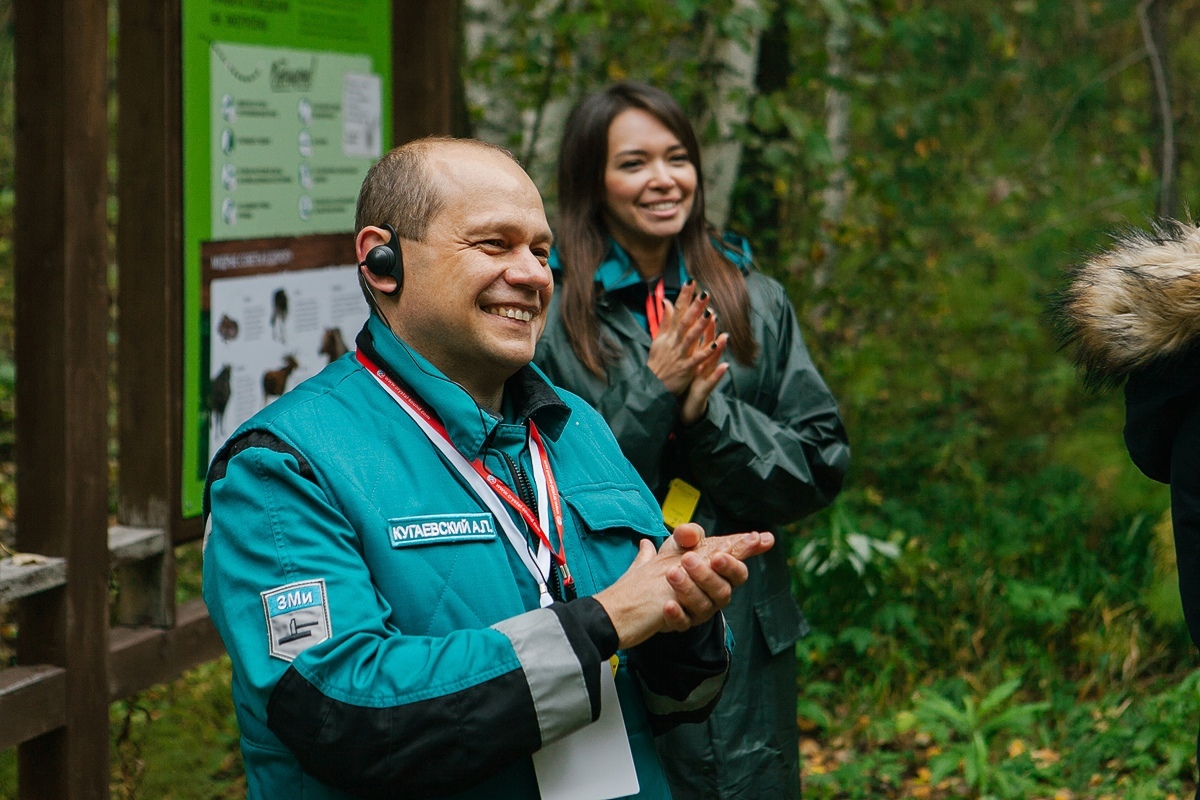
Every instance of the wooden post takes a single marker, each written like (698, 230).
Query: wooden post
(62, 394)
(425, 63)
(150, 287)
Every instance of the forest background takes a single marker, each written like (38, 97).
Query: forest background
(993, 596)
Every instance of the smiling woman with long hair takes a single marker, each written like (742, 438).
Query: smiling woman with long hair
(697, 363)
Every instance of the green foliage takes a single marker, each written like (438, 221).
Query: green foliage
(968, 731)
(844, 553)
(957, 741)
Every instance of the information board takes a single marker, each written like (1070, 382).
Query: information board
(284, 113)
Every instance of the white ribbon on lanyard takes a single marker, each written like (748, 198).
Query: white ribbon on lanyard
(539, 568)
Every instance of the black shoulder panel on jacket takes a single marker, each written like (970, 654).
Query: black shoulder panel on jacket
(247, 440)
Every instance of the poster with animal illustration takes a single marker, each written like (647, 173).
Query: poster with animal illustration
(271, 330)
(286, 105)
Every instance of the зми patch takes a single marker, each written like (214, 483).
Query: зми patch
(297, 617)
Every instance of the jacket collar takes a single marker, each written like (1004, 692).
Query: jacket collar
(616, 270)
(527, 394)
(617, 275)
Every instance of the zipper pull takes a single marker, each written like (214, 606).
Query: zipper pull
(568, 583)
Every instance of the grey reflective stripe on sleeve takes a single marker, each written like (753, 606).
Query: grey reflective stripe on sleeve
(552, 670)
(661, 706)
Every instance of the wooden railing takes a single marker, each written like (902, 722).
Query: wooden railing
(32, 696)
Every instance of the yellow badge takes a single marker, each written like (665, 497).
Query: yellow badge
(680, 504)
(615, 662)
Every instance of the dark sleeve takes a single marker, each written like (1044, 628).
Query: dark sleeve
(641, 413)
(777, 465)
(1158, 398)
(1185, 515)
(365, 707)
(682, 674)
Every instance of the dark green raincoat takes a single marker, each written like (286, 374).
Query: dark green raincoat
(770, 450)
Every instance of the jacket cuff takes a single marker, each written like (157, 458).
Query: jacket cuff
(705, 433)
(682, 674)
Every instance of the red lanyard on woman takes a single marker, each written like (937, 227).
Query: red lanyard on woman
(432, 427)
(655, 307)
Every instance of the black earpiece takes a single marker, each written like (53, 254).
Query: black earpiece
(385, 260)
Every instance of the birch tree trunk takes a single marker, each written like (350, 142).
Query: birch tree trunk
(529, 127)
(488, 24)
(837, 133)
(734, 57)
(1153, 18)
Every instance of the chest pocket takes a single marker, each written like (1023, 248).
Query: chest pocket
(607, 525)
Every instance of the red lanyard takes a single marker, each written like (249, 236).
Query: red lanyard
(499, 487)
(655, 308)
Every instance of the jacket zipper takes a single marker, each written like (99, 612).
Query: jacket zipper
(529, 498)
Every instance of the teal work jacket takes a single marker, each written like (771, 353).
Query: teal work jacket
(386, 641)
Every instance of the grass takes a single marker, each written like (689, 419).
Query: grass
(1133, 741)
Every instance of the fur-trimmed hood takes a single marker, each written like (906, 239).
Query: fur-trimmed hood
(1134, 303)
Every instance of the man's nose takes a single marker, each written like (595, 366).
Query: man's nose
(528, 270)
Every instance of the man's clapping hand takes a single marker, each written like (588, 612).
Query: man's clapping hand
(682, 584)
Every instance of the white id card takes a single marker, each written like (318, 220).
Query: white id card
(594, 762)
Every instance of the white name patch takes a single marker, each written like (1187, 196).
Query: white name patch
(297, 617)
(434, 528)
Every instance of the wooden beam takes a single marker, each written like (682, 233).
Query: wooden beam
(425, 64)
(142, 657)
(126, 545)
(61, 143)
(31, 702)
(30, 579)
(150, 291)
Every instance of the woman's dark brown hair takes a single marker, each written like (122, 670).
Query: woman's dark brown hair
(582, 236)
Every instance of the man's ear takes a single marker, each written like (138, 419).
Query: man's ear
(379, 259)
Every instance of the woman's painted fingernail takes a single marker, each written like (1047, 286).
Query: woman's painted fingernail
(707, 313)
(704, 295)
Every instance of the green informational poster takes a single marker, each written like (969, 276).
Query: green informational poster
(285, 107)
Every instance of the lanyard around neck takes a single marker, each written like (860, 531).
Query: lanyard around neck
(489, 488)
(655, 307)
